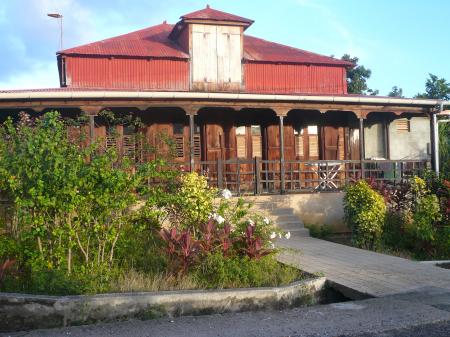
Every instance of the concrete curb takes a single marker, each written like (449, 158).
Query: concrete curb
(24, 312)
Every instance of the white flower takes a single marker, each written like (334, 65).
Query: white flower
(226, 194)
(266, 220)
(251, 222)
(279, 235)
(272, 245)
(287, 235)
(220, 220)
(273, 235)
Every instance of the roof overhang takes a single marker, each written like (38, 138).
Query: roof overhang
(154, 95)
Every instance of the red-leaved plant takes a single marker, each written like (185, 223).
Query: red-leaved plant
(182, 249)
(253, 246)
(4, 269)
(213, 238)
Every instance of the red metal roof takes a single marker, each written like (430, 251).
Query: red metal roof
(154, 42)
(148, 42)
(260, 50)
(212, 14)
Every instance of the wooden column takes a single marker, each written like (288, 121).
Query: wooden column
(434, 142)
(361, 139)
(387, 139)
(281, 113)
(191, 111)
(361, 145)
(91, 112)
(282, 166)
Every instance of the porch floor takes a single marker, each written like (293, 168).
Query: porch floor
(360, 273)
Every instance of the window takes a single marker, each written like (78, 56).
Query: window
(178, 128)
(111, 138)
(256, 141)
(403, 125)
(241, 142)
(299, 143)
(178, 137)
(129, 142)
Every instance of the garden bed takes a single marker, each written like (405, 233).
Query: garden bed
(24, 312)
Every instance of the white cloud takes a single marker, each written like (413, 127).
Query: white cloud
(40, 75)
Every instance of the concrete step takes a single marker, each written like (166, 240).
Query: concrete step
(282, 211)
(285, 218)
(295, 224)
(299, 232)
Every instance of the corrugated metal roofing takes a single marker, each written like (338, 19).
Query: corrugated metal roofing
(154, 42)
(148, 42)
(260, 50)
(212, 14)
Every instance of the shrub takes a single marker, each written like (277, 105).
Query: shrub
(320, 231)
(218, 271)
(365, 212)
(421, 229)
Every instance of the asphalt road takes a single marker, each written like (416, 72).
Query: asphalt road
(387, 317)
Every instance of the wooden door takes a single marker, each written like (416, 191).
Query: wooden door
(271, 148)
(352, 144)
(214, 142)
(329, 137)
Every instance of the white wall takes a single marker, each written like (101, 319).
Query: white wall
(374, 141)
(413, 144)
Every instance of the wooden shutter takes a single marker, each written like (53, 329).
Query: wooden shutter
(179, 145)
(403, 125)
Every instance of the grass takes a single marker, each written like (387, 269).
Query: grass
(268, 273)
(135, 281)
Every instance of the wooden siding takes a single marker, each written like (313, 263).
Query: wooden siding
(127, 73)
(294, 78)
(216, 54)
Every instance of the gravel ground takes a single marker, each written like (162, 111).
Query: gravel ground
(441, 329)
(374, 317)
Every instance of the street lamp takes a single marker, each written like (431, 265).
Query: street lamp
(60, 17)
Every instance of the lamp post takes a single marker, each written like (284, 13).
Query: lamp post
(60, 17)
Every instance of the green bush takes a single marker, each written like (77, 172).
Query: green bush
(426, 213)
(365, 212)
(86, 221)
(319, 231)
(218, 271)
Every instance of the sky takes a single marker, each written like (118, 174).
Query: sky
(401, 41)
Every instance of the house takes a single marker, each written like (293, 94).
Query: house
(255, 116)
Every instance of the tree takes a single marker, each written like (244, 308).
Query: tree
(435, 87)
(357, 77)
(396, 92)
(439, 88)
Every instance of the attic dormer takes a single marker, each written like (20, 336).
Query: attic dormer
(214, 42)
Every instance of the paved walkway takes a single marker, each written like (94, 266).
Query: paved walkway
(364, 271)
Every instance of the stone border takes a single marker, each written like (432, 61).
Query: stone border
(24, 312)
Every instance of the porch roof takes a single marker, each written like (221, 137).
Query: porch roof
(101, 94)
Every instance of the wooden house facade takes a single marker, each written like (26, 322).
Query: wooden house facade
(255, 116)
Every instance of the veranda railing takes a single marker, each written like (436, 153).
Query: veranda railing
(257, 176)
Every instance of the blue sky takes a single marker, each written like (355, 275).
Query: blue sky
(401, 41)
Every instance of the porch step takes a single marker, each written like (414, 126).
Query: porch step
(283, 217)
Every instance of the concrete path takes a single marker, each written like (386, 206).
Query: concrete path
(389, 316)
(368, 273)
